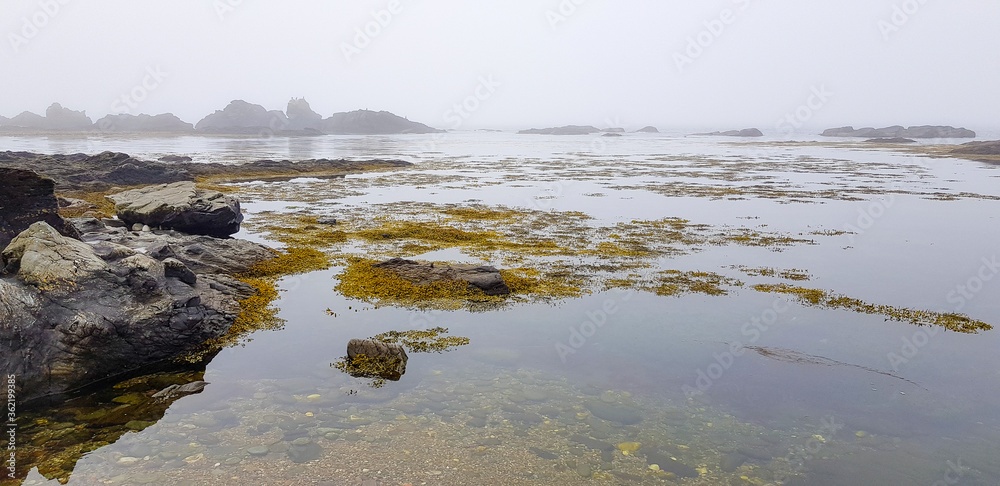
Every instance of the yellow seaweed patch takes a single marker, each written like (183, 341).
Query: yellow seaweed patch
(362, 281)
(674, 282)
(303, 231)
(531, 282)
(423, 341)
(788, 274)
(820, 298)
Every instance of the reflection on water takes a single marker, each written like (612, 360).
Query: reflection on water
(744, 388)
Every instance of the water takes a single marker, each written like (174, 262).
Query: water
(825, 397)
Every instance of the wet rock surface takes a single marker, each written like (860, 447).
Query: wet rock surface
(25, 198)
(180, 206)
(484, 278)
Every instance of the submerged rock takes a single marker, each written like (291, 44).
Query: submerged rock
(181, 206)
(25, 198)
(484, 278)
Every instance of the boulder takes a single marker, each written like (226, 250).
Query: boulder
(71, 316)
(484, 278)
(175, 158)
(162, 123)
(566, 130)
(25, 198)
(374, 349)
(367, 122)
(897, 131)
(385, 360)
(180, 206)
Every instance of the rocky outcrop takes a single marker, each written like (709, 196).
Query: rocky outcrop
(180, 206)
(240, 117)
(59, 118)
(301, 116)
(72, 313)
(649, 129)
(478, 277)
(103, 171)
(611, 134)
(566, 130)
(163, 123)
(746, 132)
(899, 131)
(25, 198)
(978, 148)
(26, 119)
(367, 122)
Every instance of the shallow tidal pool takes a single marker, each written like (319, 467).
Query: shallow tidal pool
(642, 377)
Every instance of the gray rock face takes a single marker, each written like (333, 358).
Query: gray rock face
(367, 122)
(895, 131)
(180, 206)
(26, 197)
(301, 116)
(566, 130)
(163, 123)
(485, 278)
(59, 118)
(26, 119)
(375, 349)
(242, 117)
(71, 316)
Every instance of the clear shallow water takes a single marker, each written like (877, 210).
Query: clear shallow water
(508, 409)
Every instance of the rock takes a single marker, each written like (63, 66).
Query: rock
(301, 116)
(59, 118)
(258, 451)
(613, 130)
(137, 227)
(375, 349)
(180, 206)
(26, 119)
(732, 461)
(746, 132)
(328, 221)
(978, 148)
(611, 134)
(895, 131)
(890, 140)
(484, 278)
(612, 412)
(240, 117)
(82, 318)
(367, 122)
(125, 122)
(566, 130)
(174, 391)
(174, 268)
(649, 129)
(26, 198)
(175, 158)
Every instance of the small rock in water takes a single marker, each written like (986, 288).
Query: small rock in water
(543, 454)
(304, 453)
(732, 461)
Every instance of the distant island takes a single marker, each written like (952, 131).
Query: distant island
(896, 131)
(746, 132)
(566, 130)
(237, 118)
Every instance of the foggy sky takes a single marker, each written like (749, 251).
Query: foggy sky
(603, 63)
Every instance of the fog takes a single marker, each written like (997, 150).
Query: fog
(717, 64)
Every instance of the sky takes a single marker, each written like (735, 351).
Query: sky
(465, 64)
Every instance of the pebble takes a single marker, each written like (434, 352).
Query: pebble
(258, 451)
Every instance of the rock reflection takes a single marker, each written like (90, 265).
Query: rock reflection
(383, 357)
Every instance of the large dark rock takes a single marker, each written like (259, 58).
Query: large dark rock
(746, 132)
(484, 278)
(383, 360)
(26, 198)
(163, 123)
(181, 206)
(240, 117)
(566, 130)
(70, 317)
(901, 132)
(367, 122)
(301, 116)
